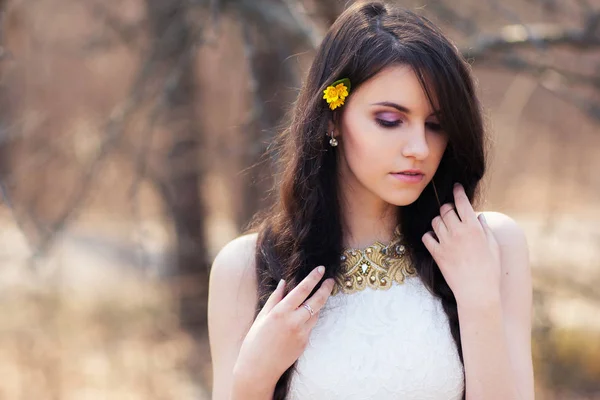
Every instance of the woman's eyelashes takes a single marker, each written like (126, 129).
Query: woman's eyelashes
(434, 126)
(388, 123)
(392, 123)
(388, 119)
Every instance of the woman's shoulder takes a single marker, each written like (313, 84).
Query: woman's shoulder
(506, 230)
(232, 289)
(243, 245)
(232, 301)
(514, 255)
(236, 260)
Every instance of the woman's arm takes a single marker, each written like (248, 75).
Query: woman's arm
(231, 306)
(496, 331)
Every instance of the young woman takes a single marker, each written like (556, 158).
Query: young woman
(373, 277)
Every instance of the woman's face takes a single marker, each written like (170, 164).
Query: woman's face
(387, 127)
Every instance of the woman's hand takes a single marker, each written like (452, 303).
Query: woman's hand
(465, 250)
(280, 332)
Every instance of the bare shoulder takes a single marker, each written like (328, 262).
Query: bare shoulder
(514, 252)
(233, 271)
(232, 297)
(236, 259)
(516, 281)
(507, 232)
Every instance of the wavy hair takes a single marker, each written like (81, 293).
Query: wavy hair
(303, 229)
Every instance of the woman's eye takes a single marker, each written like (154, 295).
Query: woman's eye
(387, 124)
(434, 126)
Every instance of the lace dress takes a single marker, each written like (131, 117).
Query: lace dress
(380, 344)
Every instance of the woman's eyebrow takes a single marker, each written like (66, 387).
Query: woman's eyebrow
(401, 107)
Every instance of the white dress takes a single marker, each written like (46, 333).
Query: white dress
(390, 344)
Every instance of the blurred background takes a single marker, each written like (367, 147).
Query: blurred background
(130, 133)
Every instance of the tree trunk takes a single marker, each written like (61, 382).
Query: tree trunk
(174, 38)
(272, 75)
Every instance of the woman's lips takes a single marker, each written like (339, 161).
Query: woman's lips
(408, 178)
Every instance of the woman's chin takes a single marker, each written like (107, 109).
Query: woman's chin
(401, 199)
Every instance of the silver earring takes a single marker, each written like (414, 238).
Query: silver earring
(333, 141)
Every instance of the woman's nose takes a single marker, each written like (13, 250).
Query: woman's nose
(415, 145)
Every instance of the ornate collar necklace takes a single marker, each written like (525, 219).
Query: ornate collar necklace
(375, 266)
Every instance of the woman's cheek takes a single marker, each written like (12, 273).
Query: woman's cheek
(365, 156)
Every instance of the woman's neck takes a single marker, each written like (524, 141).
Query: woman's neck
(366, 218)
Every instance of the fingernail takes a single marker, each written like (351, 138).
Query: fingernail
(321, 269)
(280, 284)
(483, 218)
(456, 184)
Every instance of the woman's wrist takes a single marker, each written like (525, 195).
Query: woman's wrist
(250, 384)
(484, 302)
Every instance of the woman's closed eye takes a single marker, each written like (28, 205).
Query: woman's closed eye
(434, 126)
(391, 123)
(386, 123)
(388, 119)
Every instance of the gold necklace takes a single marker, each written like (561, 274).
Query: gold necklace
(376, 266)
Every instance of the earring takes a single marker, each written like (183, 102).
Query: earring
(333, 141)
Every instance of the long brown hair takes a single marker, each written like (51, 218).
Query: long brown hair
(303, 229)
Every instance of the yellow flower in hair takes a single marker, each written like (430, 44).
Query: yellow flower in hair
(336, 103)
(336, 93)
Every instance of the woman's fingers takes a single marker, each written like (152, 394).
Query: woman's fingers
(274, 298)
(431, 244)
(439, 227)
(316, 301)
(294, 298)
(449, 215)
(463, 205)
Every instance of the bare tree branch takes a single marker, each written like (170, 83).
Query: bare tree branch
(514, 62)
(517, 36)
(114, 128)
(448, 14)
(265, 53)
(325, 10)
(556, 80)
(586, 105)
(128, 35)
(297, 10)
(282, 16)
